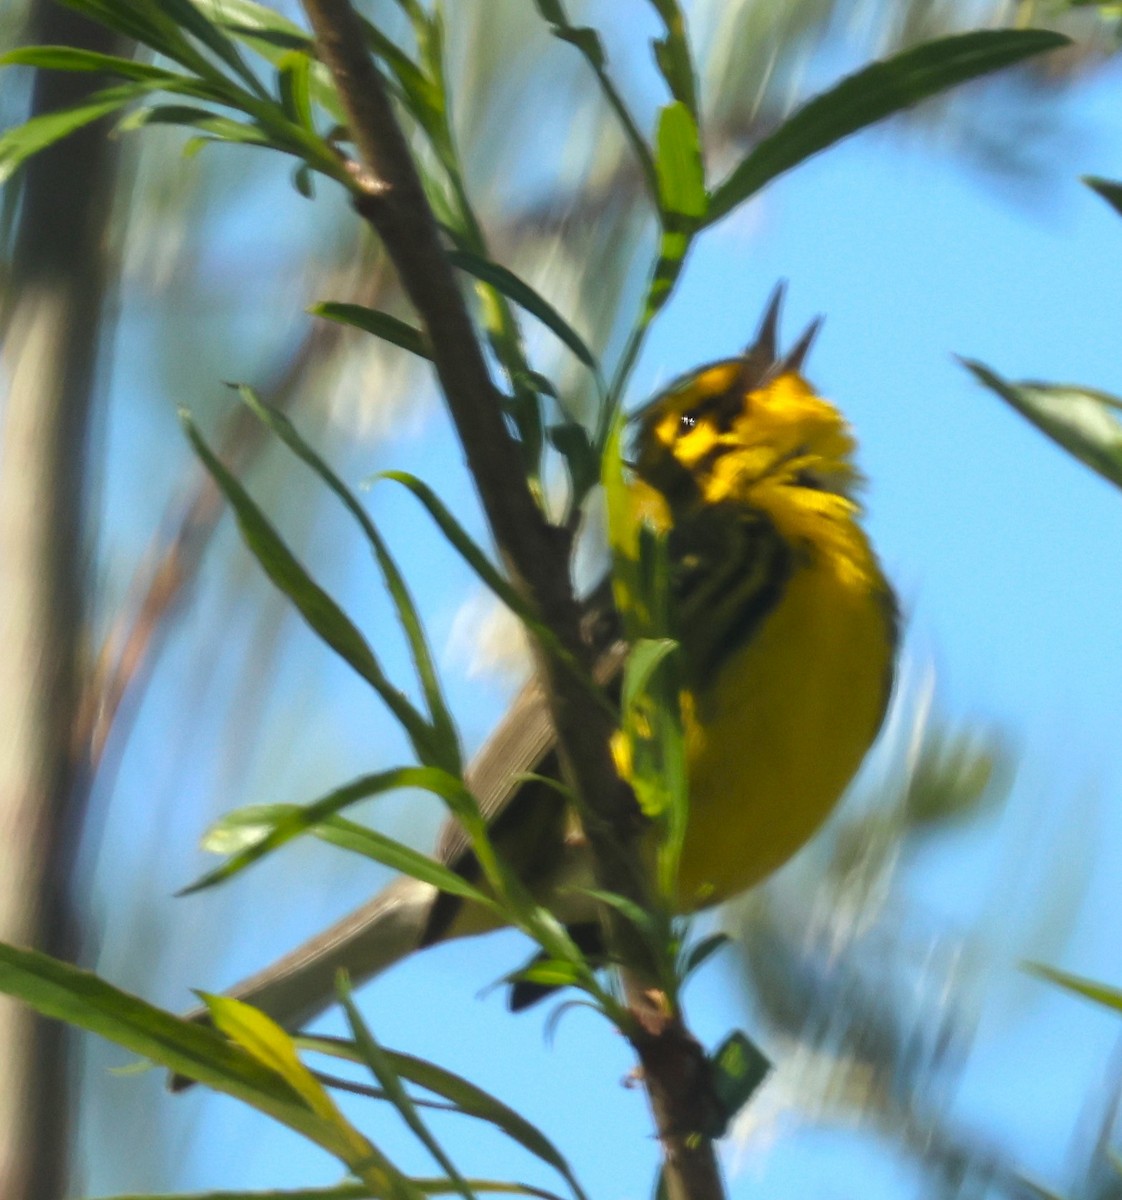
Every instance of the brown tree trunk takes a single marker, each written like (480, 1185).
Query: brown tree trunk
(53, 315)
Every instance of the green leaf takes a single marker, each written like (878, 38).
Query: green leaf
(304, 181)
(647, 924)
(1089, 989)
(246, 17)
(294, 87)
(873, 93)
(522, 293)
(63, 992)
(142, 21)
(273, 36)
(683, 200)
(445, 743)
(69, 58)
(190, 18)
(470, 1099)
(572, 442)
(422, 95)
(245, 829)
(355, 1191)
(475, 557)
(588, 42)
(1086, 423)
(552, 972)
(476, 1102)
(300, 820)
(645, 657)
(536, 381)
(673, 247)
(263, 1039)
(381, 1066)
(703, 951)
(218, 127)
(382, 325)
(651, 722)
(19, 144)
(739, 1067)
(681, 177)
(321, 613)
(1110, 191)
(672, 54)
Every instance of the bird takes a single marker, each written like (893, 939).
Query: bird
(787, 628)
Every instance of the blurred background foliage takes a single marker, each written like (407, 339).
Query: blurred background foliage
(209, 695)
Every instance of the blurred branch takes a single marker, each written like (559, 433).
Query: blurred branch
(53, 328)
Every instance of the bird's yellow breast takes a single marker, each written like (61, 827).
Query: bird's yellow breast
(776, 736)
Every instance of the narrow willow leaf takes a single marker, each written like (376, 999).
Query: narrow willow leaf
(476, 1102)
(475, 557)
(469, 550)
(381, 1067)
(272, 36)
(873, 93)
(651, 723)
(703, 951)
(354, 1191)
(681, 177)
(304, 181)
(218, 127)
(422, 95)
(587, 42)
(673, 247)
(321, 613)
(63, 992)
(262, 1038)
(1089, 989)
(739, 1068)
(249, 16)
(649, 925)
(69, 58)
(672, 54)
(294, 87)
(572, 442)
(1110, 191)
(371, 320)
(550, 972)
(19, 144)
(652, 927)
(445, 739)
(523, 294)
(142, 21)
(645, 657)
(1086, 423)
(536, 381)
(305, 819)
(245, 828)
(469, 1098)
(192, 19)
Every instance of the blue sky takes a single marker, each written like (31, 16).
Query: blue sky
(1004, 552)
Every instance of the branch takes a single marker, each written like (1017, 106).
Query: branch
(389, 195)
(55, 317)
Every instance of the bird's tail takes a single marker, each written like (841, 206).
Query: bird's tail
(298, 987)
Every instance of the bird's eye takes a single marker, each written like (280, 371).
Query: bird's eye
(686, 422)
